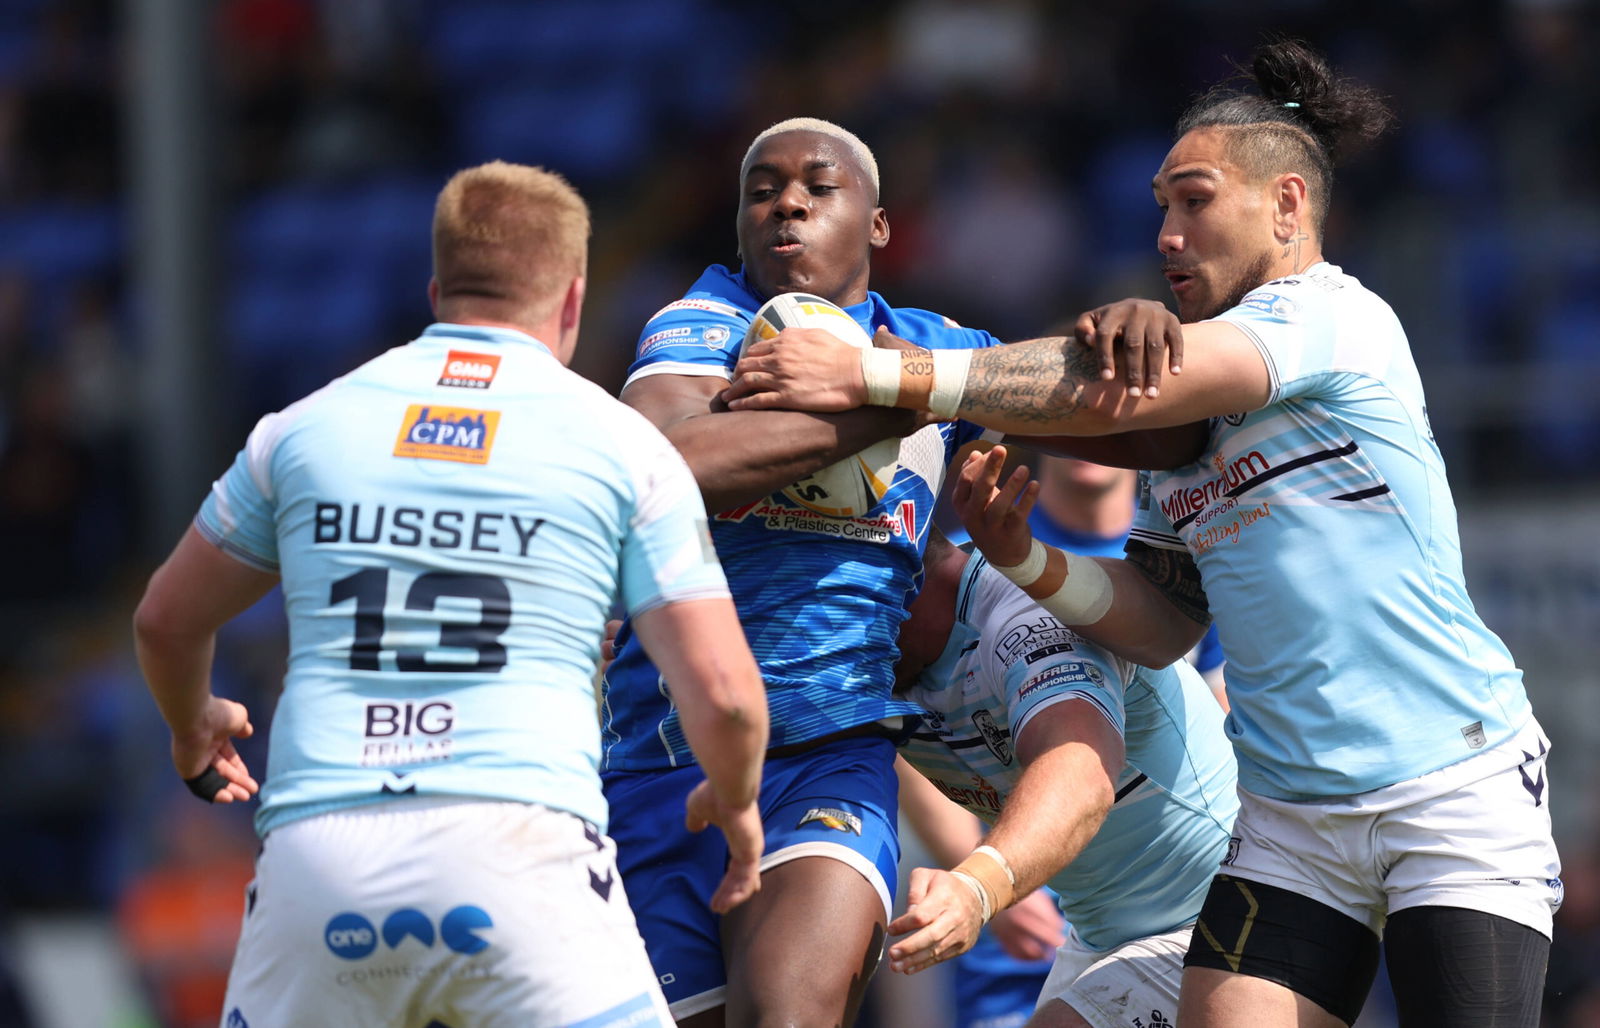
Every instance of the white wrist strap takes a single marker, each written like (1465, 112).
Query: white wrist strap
(1032, 566)
(1085, 594)
(881, 371)
(985, 907)
(1000, 858)
(950, 368)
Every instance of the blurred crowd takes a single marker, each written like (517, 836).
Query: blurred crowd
(1016, 140)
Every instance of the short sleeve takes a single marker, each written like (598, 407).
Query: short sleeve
(1042, 662)
(239, 516)
(1319, 334)
(694, 336)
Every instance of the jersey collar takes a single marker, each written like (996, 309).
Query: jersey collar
(482, 334)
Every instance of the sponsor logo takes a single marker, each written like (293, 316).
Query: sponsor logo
(1234, 420)
(1279, 306)
(656, 340)
(832, 817)
(870, 528)
(994, 737)
(702, 305)
(407, 732)
(465, 370)
(1233, 851)
(1232, 477)
(980, 795)
(1157, 1020)
(1558, 892)
(1473, 733)
(1034, 640)
(350, 936)
(715, 336)
(447, 433)
(235, 1020)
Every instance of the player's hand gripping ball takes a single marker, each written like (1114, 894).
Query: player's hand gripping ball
(852, 486)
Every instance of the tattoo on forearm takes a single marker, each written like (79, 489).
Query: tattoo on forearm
(1038, 382)
(1176, 576)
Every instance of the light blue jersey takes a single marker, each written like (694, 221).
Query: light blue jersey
(452, 521)
(1325, 534)
(820, 597)
(1148, 868)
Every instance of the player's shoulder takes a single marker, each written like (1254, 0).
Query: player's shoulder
(1320, 291)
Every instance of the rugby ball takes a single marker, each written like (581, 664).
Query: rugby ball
(850, 487)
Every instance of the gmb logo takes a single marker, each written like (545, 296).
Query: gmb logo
(351, 936)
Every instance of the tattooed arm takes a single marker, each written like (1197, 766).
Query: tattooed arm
(1041, 387)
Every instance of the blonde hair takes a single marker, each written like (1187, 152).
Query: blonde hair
(859, 150)
(507, 240)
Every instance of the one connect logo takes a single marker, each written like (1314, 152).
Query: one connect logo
(404, 922)
(352, 937)
(458, 928)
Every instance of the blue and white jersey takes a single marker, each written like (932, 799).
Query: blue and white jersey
(821, 597)
(452, 521)
(1148, 868)
(1325, 534)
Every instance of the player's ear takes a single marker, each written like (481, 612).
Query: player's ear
(571, 315)
(1292, 207)
(880, 229)
(433, 295)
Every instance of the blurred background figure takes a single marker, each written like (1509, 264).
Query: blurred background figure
(314, 133)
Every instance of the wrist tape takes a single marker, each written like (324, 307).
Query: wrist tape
(1084, 594)
(990, 871)
(883, 373)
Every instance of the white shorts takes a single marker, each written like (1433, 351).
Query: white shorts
(1134, 983)
(1475, 834)
(461, 911)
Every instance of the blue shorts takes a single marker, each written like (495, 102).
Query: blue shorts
(994, 989)
(837, 801)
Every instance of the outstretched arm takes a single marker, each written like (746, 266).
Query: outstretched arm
(198, 590)
(701, 652)
(1149, 607)
(1071, 755)
(1041, 387)
(739, 456)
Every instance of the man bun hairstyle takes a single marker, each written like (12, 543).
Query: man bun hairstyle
(1300, 118)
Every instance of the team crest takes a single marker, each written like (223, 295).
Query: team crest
(993, 736)
(464, 370)
(832, 817)
(447, 433)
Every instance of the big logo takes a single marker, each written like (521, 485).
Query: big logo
(351, 936)
(447, 433)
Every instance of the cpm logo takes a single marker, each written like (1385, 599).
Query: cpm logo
(465, 370)
(447, 433)
(351, 936)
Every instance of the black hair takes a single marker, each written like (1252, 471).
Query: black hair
(1301, 117)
